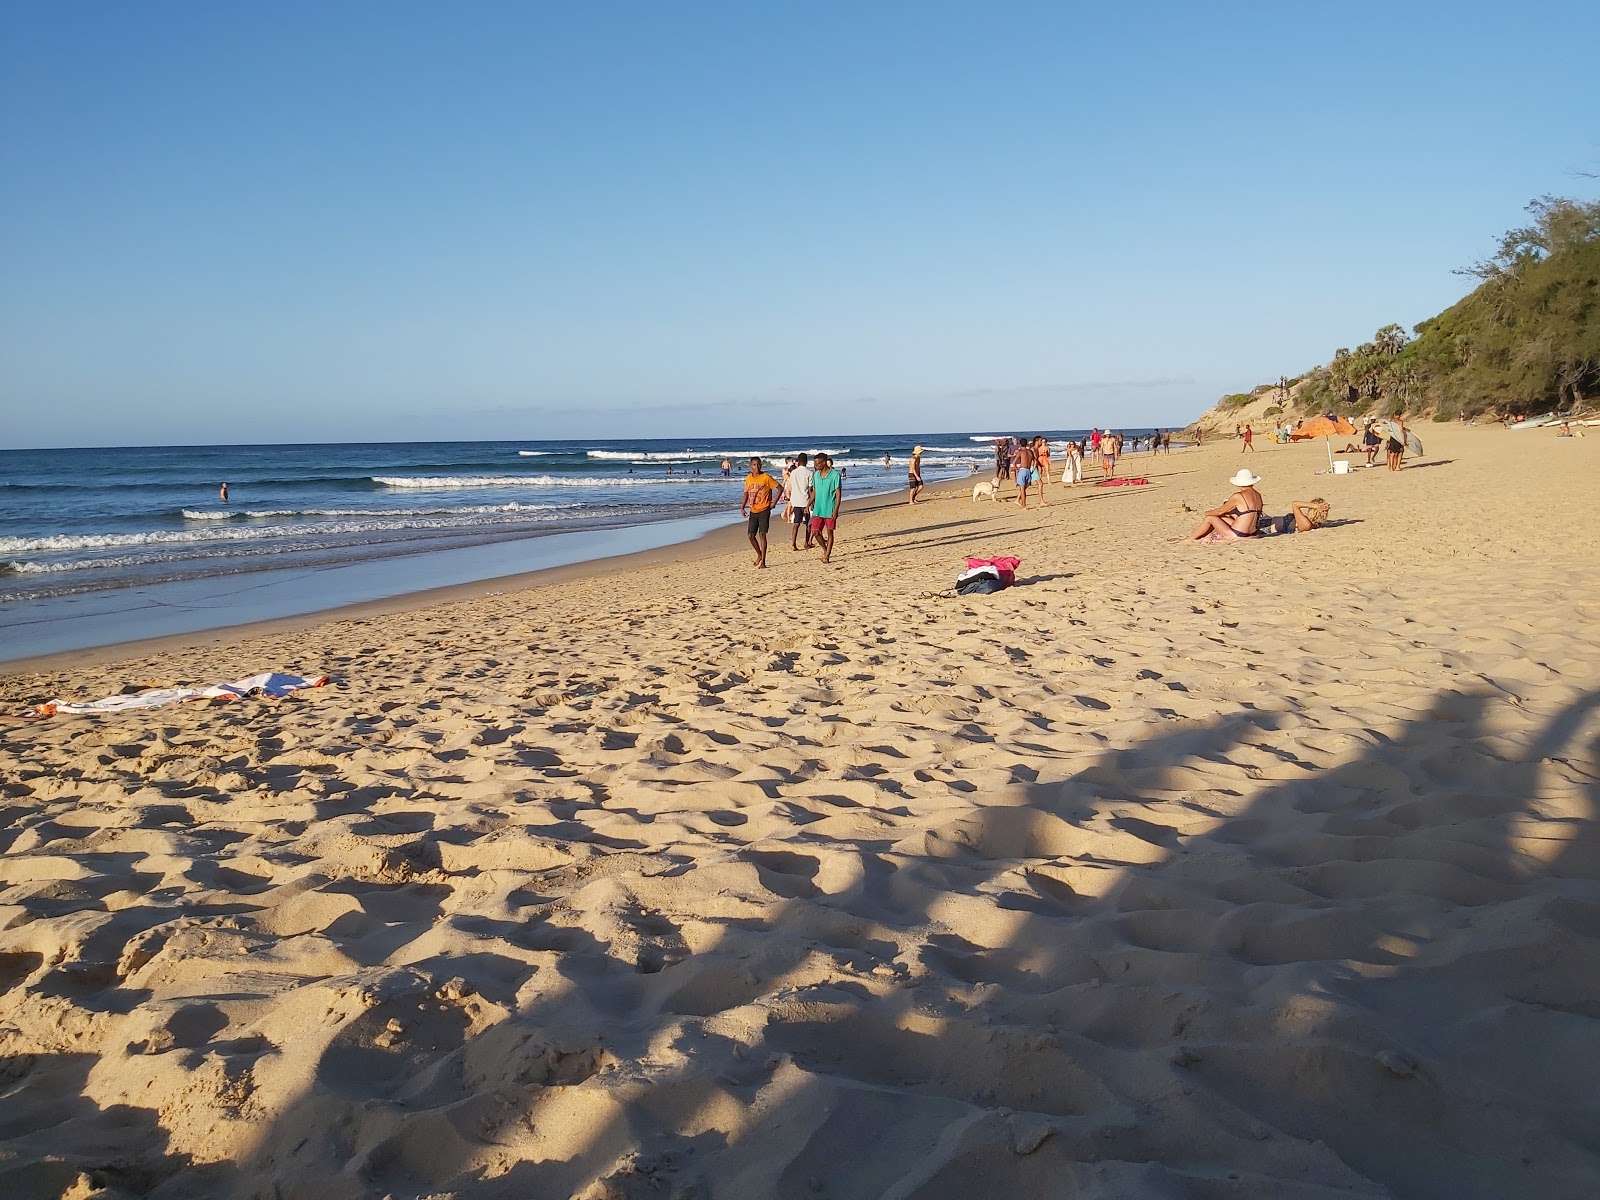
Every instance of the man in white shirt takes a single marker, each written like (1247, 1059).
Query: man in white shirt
(799, 508)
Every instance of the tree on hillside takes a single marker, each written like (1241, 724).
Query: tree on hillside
(1528, 337)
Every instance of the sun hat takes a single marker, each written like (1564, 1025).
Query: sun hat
(916, 450)
(1243, 478)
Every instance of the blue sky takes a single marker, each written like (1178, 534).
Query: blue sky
(336, 221)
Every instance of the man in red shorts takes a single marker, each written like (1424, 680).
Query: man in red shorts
(827, 487)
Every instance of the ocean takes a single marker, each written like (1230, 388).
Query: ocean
(116, 537)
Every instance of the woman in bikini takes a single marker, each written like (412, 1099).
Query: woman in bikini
(1303, 516)
(1238, 516)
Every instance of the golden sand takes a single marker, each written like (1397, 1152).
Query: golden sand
(1269, 869)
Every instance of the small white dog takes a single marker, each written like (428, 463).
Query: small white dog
(983, 489)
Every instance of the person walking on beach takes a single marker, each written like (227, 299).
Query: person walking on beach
(223, 491)
(1041, 465)
(1072, 473)
(827, 494)
(1247, 435)
(759, 492)
(1002, 461)
(1023, 462)
(1108, 457)
(799, 502)
(913, 476)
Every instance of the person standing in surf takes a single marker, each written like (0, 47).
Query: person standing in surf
(223, 491)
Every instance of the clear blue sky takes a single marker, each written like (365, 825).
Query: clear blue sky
(331, 221)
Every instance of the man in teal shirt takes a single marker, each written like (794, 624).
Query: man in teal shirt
(827, 486)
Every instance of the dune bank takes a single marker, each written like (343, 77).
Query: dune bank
(1268, 869)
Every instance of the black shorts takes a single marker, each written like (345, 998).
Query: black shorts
(759, 522)
(798, 515)
(1394, 447)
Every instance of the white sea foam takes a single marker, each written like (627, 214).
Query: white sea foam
(535, 453)
(512, 481)
(737, 457)
(442, 519)
(447, 510)
(962, 460)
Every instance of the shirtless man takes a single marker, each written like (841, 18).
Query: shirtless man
(1024, 462)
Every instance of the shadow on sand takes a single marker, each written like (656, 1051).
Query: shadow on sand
(1381, 979)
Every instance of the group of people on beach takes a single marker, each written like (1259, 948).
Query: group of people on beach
(810, 493)
(1025, 461)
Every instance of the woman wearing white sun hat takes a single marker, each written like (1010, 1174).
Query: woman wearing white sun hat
(1236, 517)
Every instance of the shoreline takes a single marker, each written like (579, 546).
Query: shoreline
(714, 541)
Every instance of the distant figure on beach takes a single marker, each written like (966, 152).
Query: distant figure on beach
(759, 491)
(1108, 456)
(786, 494)
(1248, 435)
(223, 491)
(727, 468)
(913, 476)
(1199, 436)
(800, 502)
(1002, 461)
(885, 462)
(1238, 516)
(827, 494)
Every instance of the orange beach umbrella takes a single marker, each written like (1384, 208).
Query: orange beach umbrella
(1323, 427)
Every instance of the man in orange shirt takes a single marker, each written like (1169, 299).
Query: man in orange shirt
(759, 491)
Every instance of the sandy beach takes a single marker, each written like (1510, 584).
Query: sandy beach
(1258, 870)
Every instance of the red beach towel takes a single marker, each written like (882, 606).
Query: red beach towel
(1006, 566)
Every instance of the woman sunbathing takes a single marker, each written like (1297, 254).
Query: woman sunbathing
(1238, 516)
(1303, 516)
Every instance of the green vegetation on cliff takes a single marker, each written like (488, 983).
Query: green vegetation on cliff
(1528, 337)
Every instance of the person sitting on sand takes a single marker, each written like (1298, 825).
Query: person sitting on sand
(1303, 516)
(1238, 516)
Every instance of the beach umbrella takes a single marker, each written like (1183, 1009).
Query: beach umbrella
(1323, 427)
